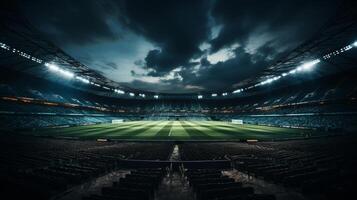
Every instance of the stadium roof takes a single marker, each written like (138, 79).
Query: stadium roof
(338, 32)
(18, 33)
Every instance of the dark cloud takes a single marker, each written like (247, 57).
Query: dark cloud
(225, 74)
(284, 24)
(112, 65)
(205, 62)
(176, 27)
(139, 63)
(264, 31)
(290, 21)
(74, 22)
(135, 74)
(244, 21)
(165, 87)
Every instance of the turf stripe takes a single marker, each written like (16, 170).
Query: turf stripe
(238, 132)
(178, 130)
(164, 131)
(133, 132)
(207, 130)
(152, 131)
(192, 131)
(124, 129)
(71, 129)
(102, 130)
(244, 132)
(214, 125)
(89, 128)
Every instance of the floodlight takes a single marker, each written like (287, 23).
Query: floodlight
(119, 91)
(199, 96)
(237, 91)
(276, 78)
(96, 84)
(67, 74)
(355, 44)
(84, 80)
(131, 94)
(156, 96)
(51, 66)
(55, 68)
(214, 95)
(309, 65)
(269, 80)
(292, 71)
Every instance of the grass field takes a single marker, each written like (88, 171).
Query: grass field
(176, 130)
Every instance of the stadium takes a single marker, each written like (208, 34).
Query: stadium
(174, 100)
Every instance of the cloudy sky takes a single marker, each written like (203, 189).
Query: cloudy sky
(178, 46)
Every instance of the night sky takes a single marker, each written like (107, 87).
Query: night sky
(178, 46)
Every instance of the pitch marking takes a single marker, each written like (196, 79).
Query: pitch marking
(170, 131)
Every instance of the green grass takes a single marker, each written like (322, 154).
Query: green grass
(176, 130)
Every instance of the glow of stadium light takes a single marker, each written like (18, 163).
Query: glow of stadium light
(4, 46)
(304, 67)
(308, 66)
(55, 68)
(119, 91)
(237, 91)
(156, 96)
(292, 71)
(142, 95)
(84, 80)
(199, 96)
(266, 81)
(338, 51)
(92, 83)
(20, 53)
(131, 94)
(214, 95)
(224, 94)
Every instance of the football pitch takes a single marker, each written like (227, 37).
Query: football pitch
(176, 130)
